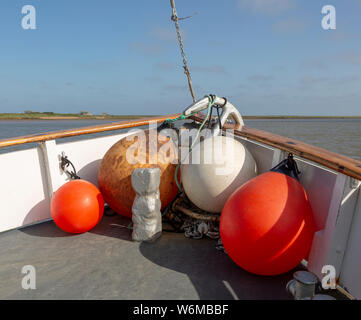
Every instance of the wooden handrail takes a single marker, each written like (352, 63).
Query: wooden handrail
(82, 131)
(339, 163)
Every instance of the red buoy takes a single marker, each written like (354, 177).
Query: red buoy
(267, 224)
(77, 206)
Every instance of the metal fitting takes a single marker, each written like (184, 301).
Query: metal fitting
(303, 286)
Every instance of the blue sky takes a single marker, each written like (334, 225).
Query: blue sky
(122, 57)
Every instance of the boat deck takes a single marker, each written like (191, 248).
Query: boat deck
(105, 264)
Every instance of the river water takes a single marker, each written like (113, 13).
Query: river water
(341, 136)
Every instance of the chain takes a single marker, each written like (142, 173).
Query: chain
(185, 63)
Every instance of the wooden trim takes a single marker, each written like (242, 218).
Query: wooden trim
(82, 131)
(339, 163)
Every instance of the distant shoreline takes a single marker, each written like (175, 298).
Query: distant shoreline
(301, 117)
(9, 117)
(20, 116)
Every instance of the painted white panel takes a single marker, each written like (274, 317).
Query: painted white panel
(350, 277)
(262, 154)
(319, 184)
(321, 246)
(27, 177)
(343, 226)
(86, 155)
(23, 197)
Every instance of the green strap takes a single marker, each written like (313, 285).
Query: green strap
(181, 117)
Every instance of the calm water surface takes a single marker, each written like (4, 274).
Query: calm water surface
(338, 135)
(342, 136)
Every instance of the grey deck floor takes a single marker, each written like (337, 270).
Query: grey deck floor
(106, 264)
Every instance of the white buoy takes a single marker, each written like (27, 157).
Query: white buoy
(214, 169)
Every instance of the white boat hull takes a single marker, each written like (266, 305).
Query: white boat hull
(29, 178)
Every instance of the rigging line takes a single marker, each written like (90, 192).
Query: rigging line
(185, 63)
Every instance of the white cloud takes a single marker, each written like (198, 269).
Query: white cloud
(267, 6)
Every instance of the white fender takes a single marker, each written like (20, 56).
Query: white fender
(216, 167)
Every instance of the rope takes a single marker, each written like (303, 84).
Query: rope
(212, 99)
(185, 63)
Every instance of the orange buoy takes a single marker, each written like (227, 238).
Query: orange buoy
(77, 206)
(267, 224)
(115, 170)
